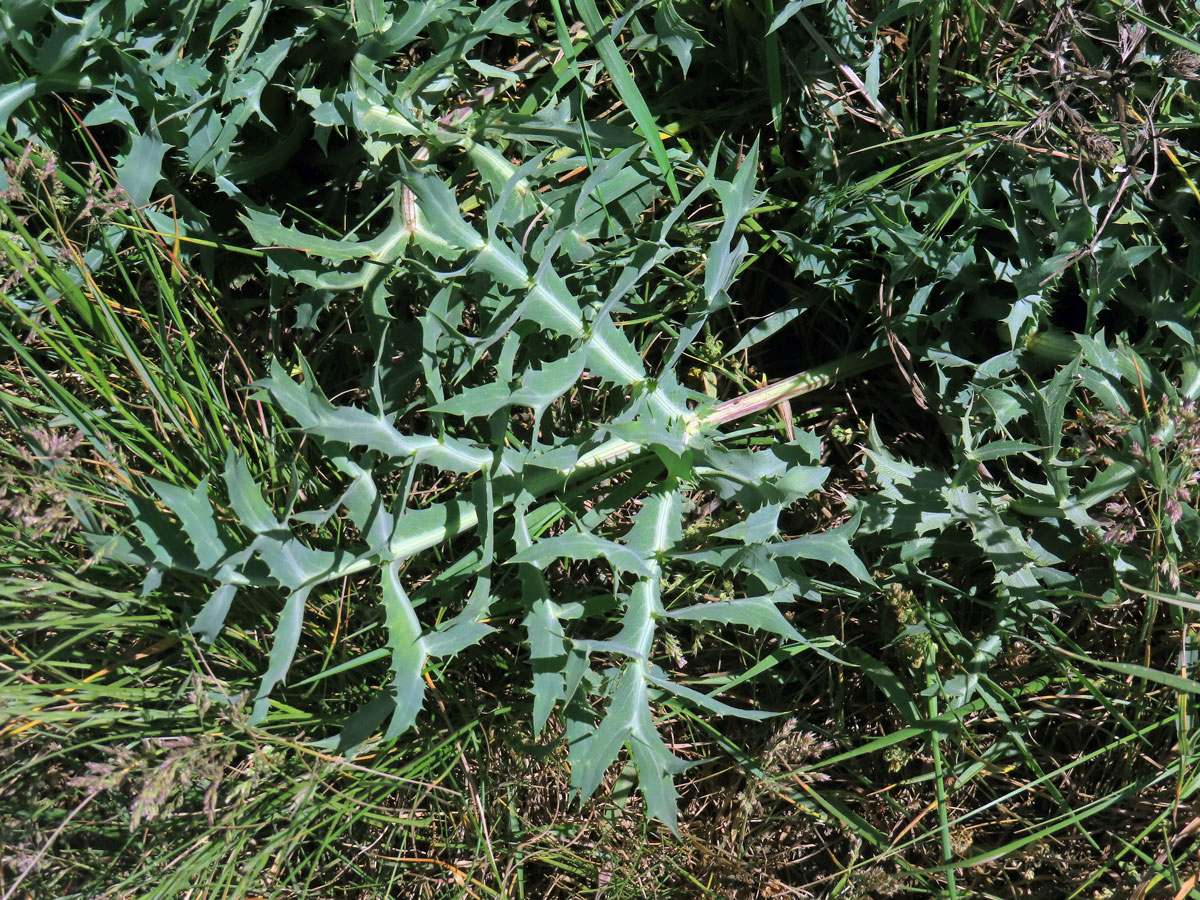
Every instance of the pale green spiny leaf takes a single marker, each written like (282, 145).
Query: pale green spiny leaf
(357, 427)
(583, 545)
(753, 612)
(210, 619)
(197, 519)
(245, 497)
(408, 651)
(283, 650)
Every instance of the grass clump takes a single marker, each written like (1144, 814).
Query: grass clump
(458, 450)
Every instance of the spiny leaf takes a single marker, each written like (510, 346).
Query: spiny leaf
(753, 612)
(163, 539)
(283, 651)
(197, 518)
(831, 546)
(547, 642)
(612, 356)
(1053, 402)
(245, 497)
(583, 545)
(408, 651)
(658, 526)
(294, 565)
(677, 34)
(591, 757)
(140, 169)
(268, 231)
(357, 427)
(208, 623)
(364, 504)
(439, 206)
(738, 197)
(656, 766)
(541, 387)
(473, 402)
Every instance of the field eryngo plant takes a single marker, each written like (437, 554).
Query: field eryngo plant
(484, 332)
(538, 494)
(427, 379)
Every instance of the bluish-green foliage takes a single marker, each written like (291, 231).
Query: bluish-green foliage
(462, 312)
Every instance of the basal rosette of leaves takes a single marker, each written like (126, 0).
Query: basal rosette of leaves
(497, 261)
(520, 491)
